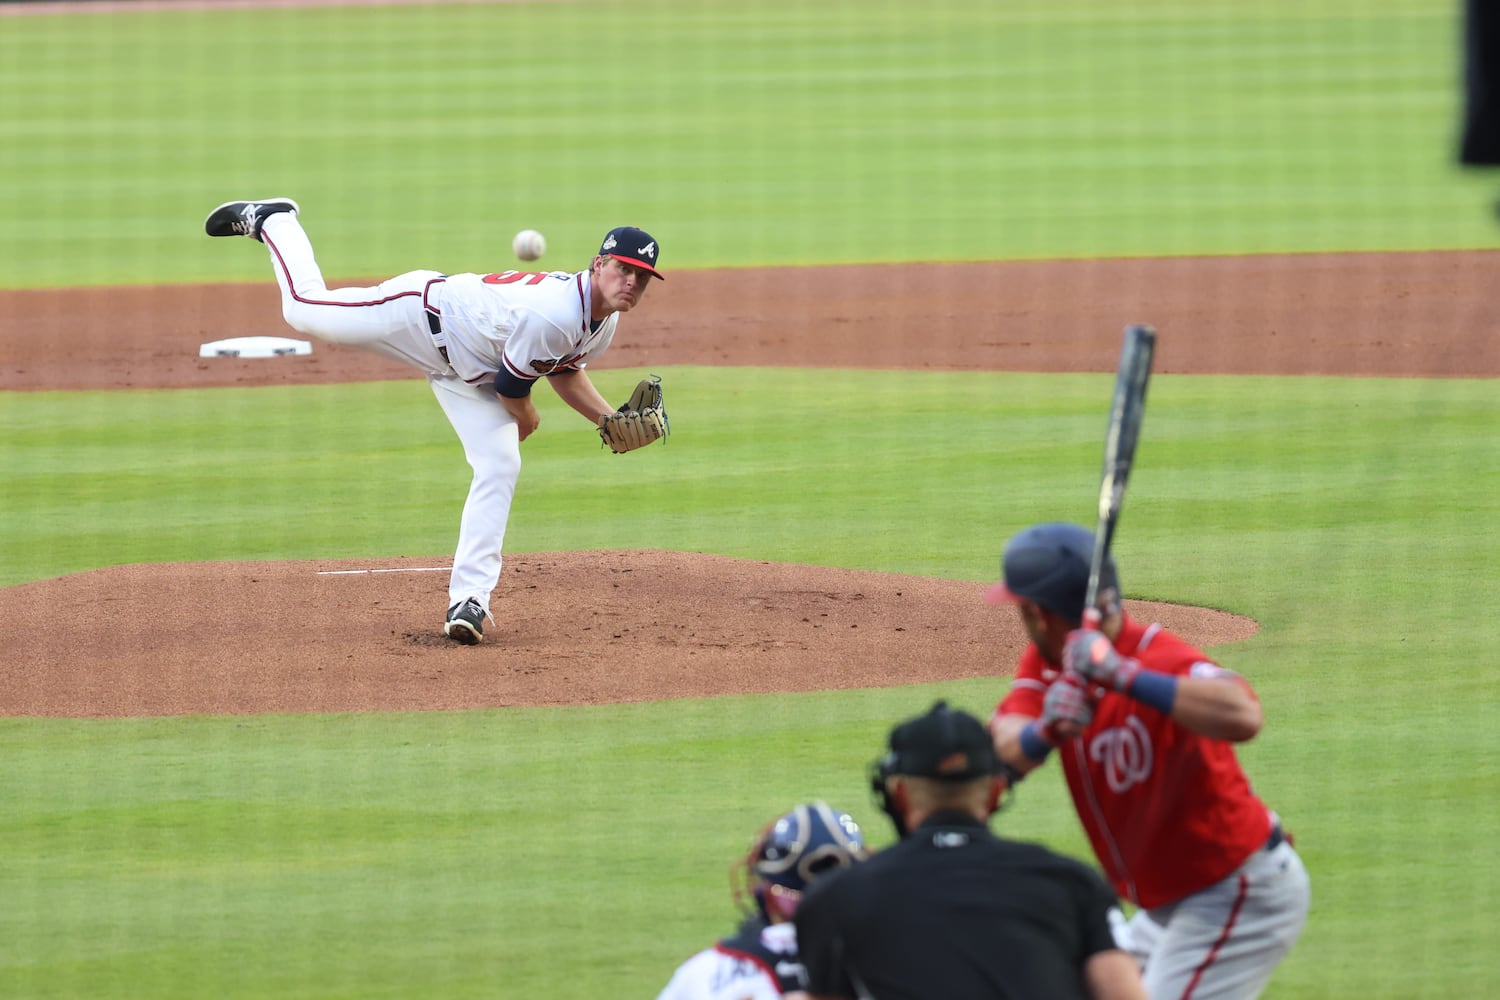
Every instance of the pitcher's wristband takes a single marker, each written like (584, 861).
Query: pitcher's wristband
(1033, 746)
(1155, 690)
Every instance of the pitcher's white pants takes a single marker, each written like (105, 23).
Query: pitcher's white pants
(391, 319)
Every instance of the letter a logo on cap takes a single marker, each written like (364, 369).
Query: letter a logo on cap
(632, 246)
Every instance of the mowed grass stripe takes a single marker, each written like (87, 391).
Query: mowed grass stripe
(777, 133)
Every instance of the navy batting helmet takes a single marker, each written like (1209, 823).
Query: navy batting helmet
(1048, 564)
(798, 848)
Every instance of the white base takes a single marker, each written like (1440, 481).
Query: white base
(254, 347)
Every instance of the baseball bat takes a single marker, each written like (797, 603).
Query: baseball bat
(1125, 414)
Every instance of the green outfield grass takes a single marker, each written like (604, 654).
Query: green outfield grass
(478, 854)
(775, 132)
(582, 851)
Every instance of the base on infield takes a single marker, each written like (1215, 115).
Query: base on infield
(254, 347)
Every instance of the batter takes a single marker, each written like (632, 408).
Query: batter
(483, 341)
(1145, 725)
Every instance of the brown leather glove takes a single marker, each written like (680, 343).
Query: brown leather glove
(639, 420)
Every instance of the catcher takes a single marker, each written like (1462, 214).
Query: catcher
(759, 961)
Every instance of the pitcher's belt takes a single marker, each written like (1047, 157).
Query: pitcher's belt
(436, 326)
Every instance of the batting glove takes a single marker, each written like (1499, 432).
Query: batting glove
(1090, 653)
(1068, 708)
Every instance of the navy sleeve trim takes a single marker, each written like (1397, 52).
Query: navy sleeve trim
(511, 387)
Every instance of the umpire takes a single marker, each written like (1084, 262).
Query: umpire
(951, 910)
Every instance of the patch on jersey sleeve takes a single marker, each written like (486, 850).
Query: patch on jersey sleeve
(548, 366)
(1203, 668)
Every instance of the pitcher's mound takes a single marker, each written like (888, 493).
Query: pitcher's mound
(574, 627)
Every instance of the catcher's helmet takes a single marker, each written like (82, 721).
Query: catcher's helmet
(794, 851)
(1048, 564)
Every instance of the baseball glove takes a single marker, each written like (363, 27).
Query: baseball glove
(639, 420)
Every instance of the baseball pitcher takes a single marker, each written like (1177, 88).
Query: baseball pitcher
(483, 341)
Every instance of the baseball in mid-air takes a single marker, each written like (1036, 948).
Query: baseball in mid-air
(529, 244)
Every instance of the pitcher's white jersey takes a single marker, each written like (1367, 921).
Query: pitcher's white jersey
(519, 325)
(758, 963)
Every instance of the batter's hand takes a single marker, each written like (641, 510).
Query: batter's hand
(1090, 654)
(1068, 708)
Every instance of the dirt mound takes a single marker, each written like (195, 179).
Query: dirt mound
(243, 638)
(307, 637)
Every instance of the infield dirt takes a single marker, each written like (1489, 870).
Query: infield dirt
(237, 638)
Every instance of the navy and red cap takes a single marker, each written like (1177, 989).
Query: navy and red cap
(633, 246)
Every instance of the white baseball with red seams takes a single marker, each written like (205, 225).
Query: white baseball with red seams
(529, 244)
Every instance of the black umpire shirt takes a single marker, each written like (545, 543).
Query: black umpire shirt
(953, 911)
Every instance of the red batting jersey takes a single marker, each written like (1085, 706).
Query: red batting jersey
(1169, 812)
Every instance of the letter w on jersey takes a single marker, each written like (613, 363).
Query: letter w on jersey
(1125, 754)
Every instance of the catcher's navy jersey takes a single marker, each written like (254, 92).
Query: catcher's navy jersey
(757, 962)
